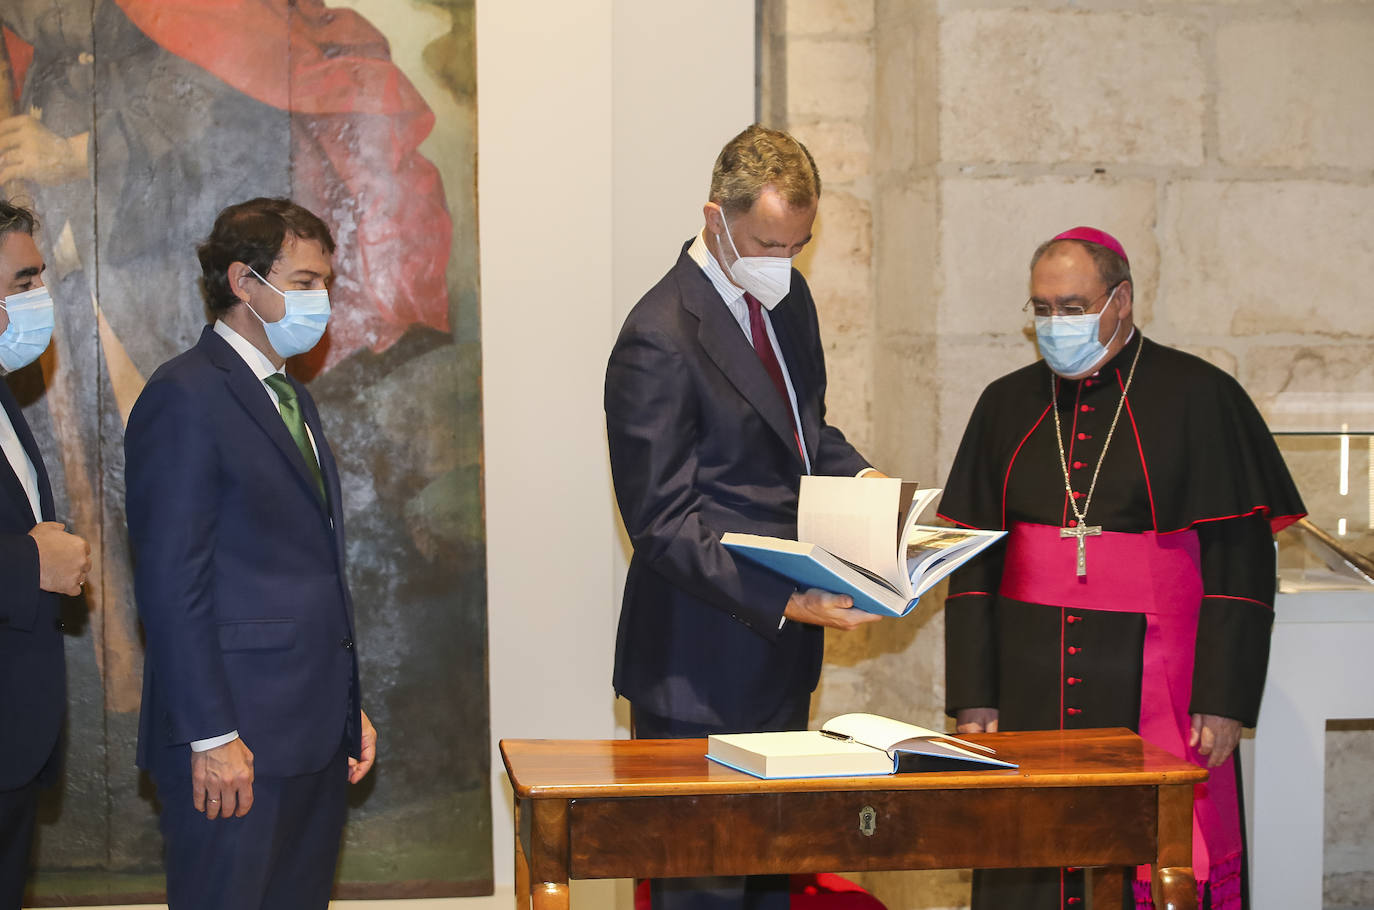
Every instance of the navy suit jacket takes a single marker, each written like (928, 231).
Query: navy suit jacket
(33, 681)
(239, 571)
(701, 443)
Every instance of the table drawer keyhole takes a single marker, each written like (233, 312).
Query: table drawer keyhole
(868, 821)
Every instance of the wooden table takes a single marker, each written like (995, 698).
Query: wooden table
(1101, 799)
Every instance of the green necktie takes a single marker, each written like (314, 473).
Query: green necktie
(290, 409)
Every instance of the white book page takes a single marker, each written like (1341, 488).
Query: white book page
(919, 503)
(856, 519)
(875, 730)
(886, 734)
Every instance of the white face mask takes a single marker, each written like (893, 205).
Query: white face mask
(768, 278)
(30, 328)
(1069, 343)
(301, 325)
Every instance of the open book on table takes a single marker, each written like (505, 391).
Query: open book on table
(851, 745)
(859, 536)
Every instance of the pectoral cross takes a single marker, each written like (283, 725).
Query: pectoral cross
(1081, 531)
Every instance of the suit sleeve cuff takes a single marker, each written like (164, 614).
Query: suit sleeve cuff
(214, 742)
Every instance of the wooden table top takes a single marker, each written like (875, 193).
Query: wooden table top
(581, 769)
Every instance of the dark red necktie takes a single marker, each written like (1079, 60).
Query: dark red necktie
(764, 348)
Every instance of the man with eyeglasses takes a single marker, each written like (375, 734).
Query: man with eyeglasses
(1140, 489)
(39, 561)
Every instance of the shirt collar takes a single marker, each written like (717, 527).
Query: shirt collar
(257, 361)
(701, 255)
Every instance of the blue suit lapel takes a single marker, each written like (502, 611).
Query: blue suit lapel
(329, 468)
(249, 391)
(9, 480)
(720, 337)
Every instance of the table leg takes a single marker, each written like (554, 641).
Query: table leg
(551, 896)
(549, 854)
(1175, 889)
(1106, 887)
(522, 864)
(1174, 886)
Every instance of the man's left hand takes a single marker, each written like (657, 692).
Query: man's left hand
(1215, 737)
(358, 767)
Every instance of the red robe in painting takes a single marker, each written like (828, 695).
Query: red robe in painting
(357, 125)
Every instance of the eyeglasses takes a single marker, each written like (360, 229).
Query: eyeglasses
(1040, 308)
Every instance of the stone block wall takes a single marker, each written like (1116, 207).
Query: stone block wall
(1229, 145)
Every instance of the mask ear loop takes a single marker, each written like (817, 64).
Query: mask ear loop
(734, 249)
(255, 313)
(273, 286)
(1115, 331)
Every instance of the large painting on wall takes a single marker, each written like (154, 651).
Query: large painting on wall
(127, 125)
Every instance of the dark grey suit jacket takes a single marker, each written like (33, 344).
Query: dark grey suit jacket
(701, 443)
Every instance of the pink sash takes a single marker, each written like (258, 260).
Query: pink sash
(1160, 576)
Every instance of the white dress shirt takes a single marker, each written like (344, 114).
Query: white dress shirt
(19, 460)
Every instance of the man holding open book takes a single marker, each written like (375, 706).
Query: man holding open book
(1140, 491)
(715, 409)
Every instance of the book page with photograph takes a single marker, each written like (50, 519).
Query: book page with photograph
(933, 552)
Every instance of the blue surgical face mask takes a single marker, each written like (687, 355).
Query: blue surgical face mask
(30, 328)
(301, 326)
(1069, 343)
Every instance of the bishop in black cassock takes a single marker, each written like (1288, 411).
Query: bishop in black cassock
(1157, 617)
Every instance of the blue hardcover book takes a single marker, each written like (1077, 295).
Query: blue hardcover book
(848, 546)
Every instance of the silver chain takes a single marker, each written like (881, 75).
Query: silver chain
(1082, 516)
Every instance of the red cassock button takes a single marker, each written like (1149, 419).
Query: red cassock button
(1073, 680)
(1073, 711)
(1086, 408)
(1078, 466)
(1072, 868)
(1073, 522)
(1073, 650)
(1075, 900)
(1084, 436)
(1072, 619)
(1078, 495)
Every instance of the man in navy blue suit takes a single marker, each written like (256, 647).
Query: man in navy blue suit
(251, 719)
(39, 561)
(715, 408)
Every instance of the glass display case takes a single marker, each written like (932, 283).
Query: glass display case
(1333, 548)
(1305, 838)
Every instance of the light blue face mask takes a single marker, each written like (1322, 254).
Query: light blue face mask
(30, 328)
(1069, 343)
(301, 326)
